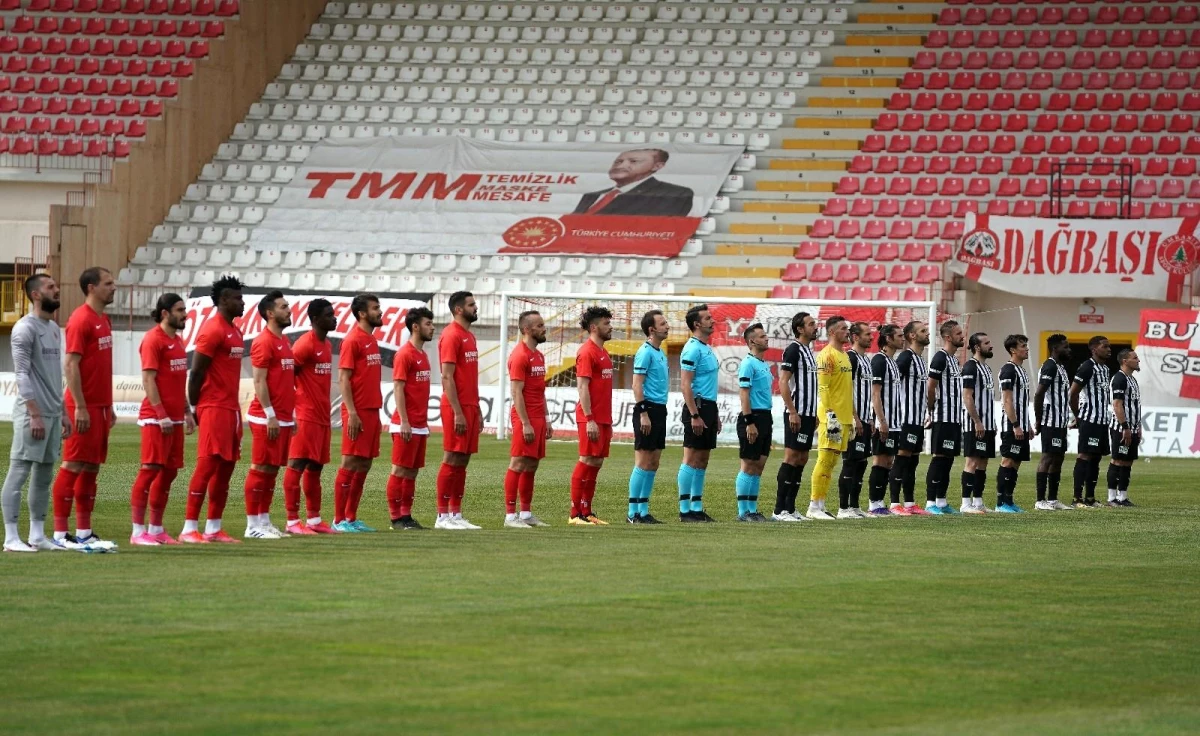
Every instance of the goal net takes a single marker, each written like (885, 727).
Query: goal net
(732, 316)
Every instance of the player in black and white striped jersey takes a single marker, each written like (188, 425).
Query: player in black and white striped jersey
(1090, 404)
(1125, 429)
(979, 422)
(1015, 424)
(943, 399)
(798, 388)
(854, 460)
(913, 375)
(886, 401)
(1052, 414)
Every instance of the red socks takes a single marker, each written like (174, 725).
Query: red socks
(460, 487)
(206, 468)
(85, 499)
(395, 493)
(291, 494)
(312, 492)
(63, 494)
(139, 495)
(255, 485)
(356, 494)
(444, 488)
(160, 492)
(512, 481)
(343, 486)
(525, 487)
(218, 489)
(583, 488)
(408, 491)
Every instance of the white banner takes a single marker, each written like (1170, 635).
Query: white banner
(461, 195)
(1126, 259)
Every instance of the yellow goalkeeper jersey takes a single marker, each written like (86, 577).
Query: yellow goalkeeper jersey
(835, 391)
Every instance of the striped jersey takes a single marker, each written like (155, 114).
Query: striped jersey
(799, 361)
(1013, 378)
(860, 368)
(886, 374)
(1126, 389)
(947, 399)
(1095, 397)
(1056, 407)
(913, 375)
(978, 376)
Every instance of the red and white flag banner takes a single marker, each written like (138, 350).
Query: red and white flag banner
(461, 195)
(1127, 259)
(1169, 348)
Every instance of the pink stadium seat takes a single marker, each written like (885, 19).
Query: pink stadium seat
(888, 293)
(900, 274)
(835, 292)
(874, 229)
(900, 230)
(834, 251)
(847, 229)
(847, 273)
(822, 228)
(873, 274)
(808, 250)
(861, 293)
(862, 207)
(915, 294)
(779, 291)
(795, 272)
(1160, 209)
(808, 291)
(821, 273)
(835, 207)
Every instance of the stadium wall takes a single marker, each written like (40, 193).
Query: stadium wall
(23, 213)
(125, 210)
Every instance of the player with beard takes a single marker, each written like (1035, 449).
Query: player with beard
(979, 428)
(1016, 428)
(462, 420)
(271, 415)
(943, 400)
(360, 370)
(88, 404)
(530, 430)
(593, 413)
(1125, 431)
(798, 389)
(913, 375)
(308, 451)
(1091, 402)
(410, 420)
(886, 400)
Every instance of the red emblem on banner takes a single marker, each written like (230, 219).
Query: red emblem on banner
(1179, 254)
(979, 248)
(533, 233)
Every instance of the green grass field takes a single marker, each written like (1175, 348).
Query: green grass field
(1073, 622)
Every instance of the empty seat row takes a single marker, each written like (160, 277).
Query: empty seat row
(835, 250)
(849, 273)
(599, 35)
(1074, 15)
(201, 8)
(1063, 38)
(50, 25)
(1095, 81)
(592, 12)
(1034, 144)
(59, 105)
(23, 145)
(1049, 122)
(849, 229)
(62, 126)
(102, 47)
(67, 66)
(858, 293)
(94, 87)
(1054, 102)
(1180, 166)
(1056, 59)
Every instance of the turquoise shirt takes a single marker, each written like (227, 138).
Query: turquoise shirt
(651, 362)
(698, 358)
(755, 374)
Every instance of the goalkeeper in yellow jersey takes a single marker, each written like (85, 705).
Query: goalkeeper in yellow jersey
(836, 425)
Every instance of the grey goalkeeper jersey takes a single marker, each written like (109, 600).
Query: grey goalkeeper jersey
(37, 361)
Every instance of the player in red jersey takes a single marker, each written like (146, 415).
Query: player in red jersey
(530, 430)
(88, 404)
(593, 413)
(462, 420)
(410, 423)
(213, 390)
(308, 452)
(164, 419)
(270, 414)
(360, 370)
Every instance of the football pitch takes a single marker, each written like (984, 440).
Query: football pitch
(1044, 623)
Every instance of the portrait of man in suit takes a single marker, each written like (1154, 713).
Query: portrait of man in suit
(635, 191)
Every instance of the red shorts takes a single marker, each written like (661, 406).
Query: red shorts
(91, 446)
(264, 451)
(367, 444)
(220, 433)
(521, 448)
(468, 442)
(599, 448)
(409, 454)
(310, 441)
(162, 449)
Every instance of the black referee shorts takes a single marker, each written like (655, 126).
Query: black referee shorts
(802, 440)
(1124, 452)
(912, 438)
(761, 447)
(1013, 448)
(657, 438)
(1093, 439)
(1054, 440)
(887, 445)
(707, 439)
(946, 439)
(984, 446)
(859, 449)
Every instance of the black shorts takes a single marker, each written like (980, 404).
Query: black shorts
(761, 447)
(1013, 448)
(802, 440)
(1054, 440)
(1123, 452)
(979, 446)
(1093, 439)
(889, 445)
(707, 439)
(657, 439)
(859, 449)
(947, 439)
(912, 438)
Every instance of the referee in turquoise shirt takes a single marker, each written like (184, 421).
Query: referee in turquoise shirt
(649, 415)
(698, 368)
(754, 425)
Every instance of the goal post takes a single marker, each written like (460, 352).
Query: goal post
(732, 315)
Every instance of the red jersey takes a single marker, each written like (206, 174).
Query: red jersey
(314, 378)
(457, 346)
(167, 357)
(274, 354)
(222, 342)
(412, 366)
(593, 362)
(89, 335)
(529, 366)
(360, 355)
